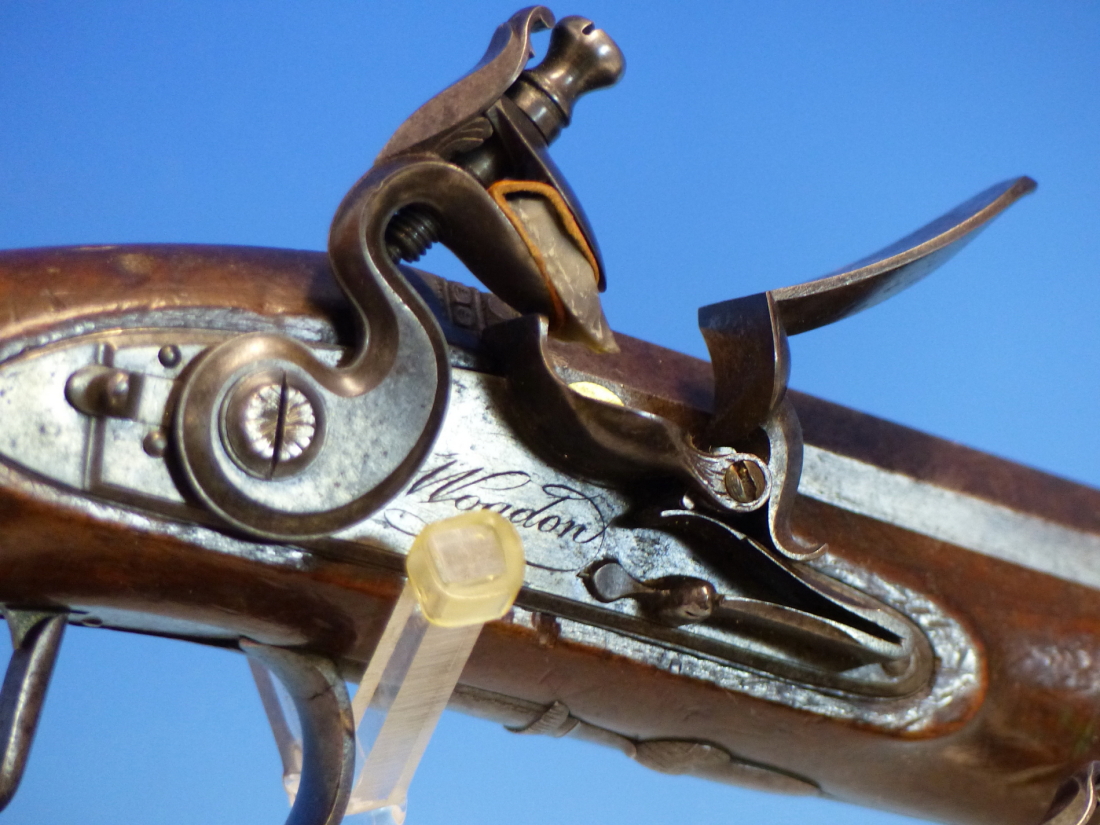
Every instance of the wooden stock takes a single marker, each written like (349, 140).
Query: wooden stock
(1033, 721)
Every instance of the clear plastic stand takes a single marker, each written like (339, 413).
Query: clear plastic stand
(462, 573)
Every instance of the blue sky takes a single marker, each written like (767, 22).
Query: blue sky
(748, 147)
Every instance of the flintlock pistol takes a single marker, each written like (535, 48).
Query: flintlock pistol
(770, 578)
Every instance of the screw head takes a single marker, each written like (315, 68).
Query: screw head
(272, 425)
(744, 481)
(278, 422)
